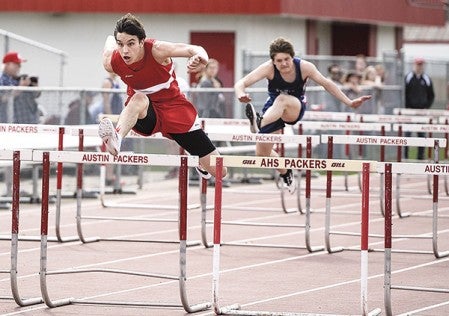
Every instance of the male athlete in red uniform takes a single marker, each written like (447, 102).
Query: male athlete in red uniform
(155, 103)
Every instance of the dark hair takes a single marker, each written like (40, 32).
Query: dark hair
(129, 24)
(281, 45)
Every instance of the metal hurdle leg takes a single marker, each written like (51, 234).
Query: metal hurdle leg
(182, 260)
(14, 236)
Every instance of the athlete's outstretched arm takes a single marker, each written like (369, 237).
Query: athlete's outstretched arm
(309, 70)
(264, 71)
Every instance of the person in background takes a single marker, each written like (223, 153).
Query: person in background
(210, 104)
(26, 108)
(419, 94)
(12, 63)
(335, 74)
(287, 76)
(360, 63)
(75, 115)
(352, 84)
(371, 78)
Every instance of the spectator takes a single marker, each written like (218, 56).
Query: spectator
(370, 77)
(419, 94)
(74, 116)
(26, 108)
(360, 63)
(335, 74)
(381, 72)
(10, 77)
(210, 104)
(352, 84)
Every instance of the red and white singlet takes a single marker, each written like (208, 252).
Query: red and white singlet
(174, 113)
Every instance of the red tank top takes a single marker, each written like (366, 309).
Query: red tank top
(147, 75)
(174, 113)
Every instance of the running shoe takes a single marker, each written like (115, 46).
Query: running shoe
(289, 181)
(109, 135)
(254, 118)
(203, 173)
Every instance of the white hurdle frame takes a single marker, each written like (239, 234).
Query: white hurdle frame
(298, 140)
(80, 132)
(400, 168)
(61, 131)
(136, 159)
(374, 141)
(425, 128)
(266, 162)
(348, 127)
(16, 156)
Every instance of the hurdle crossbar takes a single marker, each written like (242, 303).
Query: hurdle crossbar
(141, 159)
(299, 163)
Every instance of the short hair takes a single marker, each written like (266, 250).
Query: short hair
(281, 45)
(131, 25)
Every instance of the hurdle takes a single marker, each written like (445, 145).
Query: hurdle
(373, 141)
(16, 157)
(389, 169)
(313, 164)
(347, 127)
(53, 137)
(279, 138)
(425, 128)
(138, 159)
(91, 131)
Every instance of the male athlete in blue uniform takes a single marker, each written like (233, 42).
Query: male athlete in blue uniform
(286, 104)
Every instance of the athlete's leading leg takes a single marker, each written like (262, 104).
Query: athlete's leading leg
(285, 107)
(136, 108)
(206, 164)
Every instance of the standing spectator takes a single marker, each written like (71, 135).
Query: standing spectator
(334, 73)
(419, 94)
(352, 84)
(10, 77)
(360, 63)
(26, 108)
(210, 104)
(112, 102)
(75, 115)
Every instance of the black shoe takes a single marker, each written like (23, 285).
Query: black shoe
(254, 118)
(289, 181)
